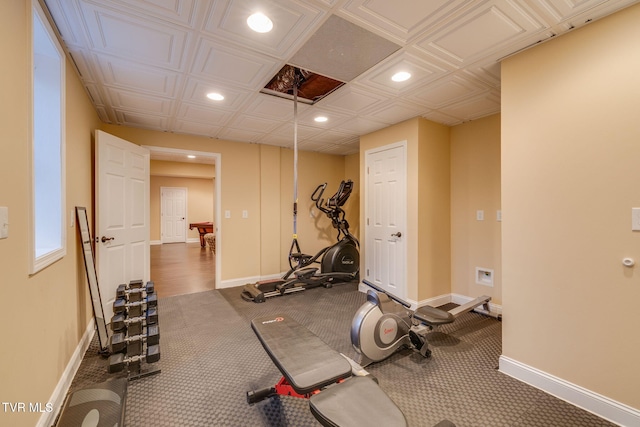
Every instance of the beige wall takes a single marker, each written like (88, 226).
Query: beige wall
(475, 185)
(43, 316)
(434, 210)
(570, 176)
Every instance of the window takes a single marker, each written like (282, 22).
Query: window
(48, 239)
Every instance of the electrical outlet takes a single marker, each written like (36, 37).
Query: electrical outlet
(480, 215)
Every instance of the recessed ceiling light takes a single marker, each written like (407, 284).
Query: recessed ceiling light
(321, 119)
(401, 76)
(215, 96)
(191, 156)
(260, 23)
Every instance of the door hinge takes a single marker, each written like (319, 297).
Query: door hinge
(367, 221)
(367, 272)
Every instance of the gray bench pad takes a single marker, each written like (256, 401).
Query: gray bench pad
(356, 402)
(306, 362)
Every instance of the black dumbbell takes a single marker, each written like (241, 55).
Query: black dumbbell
(119, 342)
(117, 362)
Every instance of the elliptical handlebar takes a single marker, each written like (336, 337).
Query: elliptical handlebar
(317, 197)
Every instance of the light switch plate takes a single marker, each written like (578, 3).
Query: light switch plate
(635, 219)
(4, 222)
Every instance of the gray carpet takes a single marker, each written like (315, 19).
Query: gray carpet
(210, 358)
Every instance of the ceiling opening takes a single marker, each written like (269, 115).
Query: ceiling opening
(312, 87)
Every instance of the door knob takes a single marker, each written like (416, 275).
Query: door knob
(106, 239)
(398, 234)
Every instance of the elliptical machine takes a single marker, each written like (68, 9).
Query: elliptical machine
(385, 324)
(339, 262)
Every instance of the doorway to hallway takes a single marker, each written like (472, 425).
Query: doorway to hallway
(182, 268)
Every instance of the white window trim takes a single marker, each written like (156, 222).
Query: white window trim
(43, 261)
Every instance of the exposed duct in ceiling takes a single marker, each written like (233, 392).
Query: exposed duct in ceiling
(312, 87)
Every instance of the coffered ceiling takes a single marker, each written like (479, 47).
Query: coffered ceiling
(151, 63)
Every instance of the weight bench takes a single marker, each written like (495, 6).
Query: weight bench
(311, 369)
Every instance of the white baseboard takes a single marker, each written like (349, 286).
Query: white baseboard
(602, 406)
(232, 283)
(155, 242)
(48, 419)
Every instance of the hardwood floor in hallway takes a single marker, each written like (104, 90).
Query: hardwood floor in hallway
(182, 268)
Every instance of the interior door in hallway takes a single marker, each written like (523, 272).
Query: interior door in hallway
(122, 215)
(386, 212)
(173, 214)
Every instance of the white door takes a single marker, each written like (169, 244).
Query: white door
(173, 214)
(386, 217)
(122, 215)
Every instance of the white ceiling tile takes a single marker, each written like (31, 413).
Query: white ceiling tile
(330, 137)
(196, 90)
(361, 125)
(351, 99)
(447, 91)
(234, 134)
(132, 101)
(245, 69)
(84, 66)
(402, 21)
(273, 107)
(102, 113)
(137, 77)
(474, 108)
(134, 119)
(133, 37)
(185, 12)
(480, 32)
(193, 128)
(396, 111)
(293, 23)
(200, 114)
(335, 118)
(94, 93)
(488, 71)
(439, 117)
(420, 70)
(252, 123)
(68, 20)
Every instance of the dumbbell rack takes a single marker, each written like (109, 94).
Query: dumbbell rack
(135, 340)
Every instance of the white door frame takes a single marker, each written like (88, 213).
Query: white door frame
(186, 213)
(217, 212)
(404, 240)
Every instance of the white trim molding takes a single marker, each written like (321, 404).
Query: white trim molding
(60, 392)
(595, 403)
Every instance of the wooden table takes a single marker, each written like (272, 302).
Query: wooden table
(203, 228)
